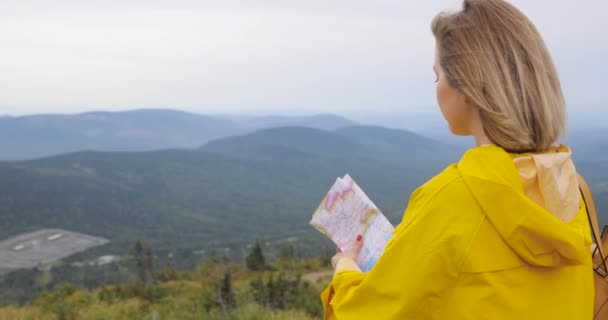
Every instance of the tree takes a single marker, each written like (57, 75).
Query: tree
(258, 290)
(145, 263)
(271, 291)
(227, 297)
(280, 292)
(216, 281)
(255, 261)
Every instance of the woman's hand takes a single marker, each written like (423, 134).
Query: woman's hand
(352, 252)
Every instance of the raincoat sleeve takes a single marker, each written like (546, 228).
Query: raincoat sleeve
(420, 262)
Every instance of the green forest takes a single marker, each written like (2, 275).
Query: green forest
(260, 186)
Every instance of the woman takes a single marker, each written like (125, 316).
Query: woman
(502, 234)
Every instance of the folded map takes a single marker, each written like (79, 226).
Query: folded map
(346, 212)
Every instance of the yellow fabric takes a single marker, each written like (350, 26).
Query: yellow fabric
(550, 180)
(473, 245)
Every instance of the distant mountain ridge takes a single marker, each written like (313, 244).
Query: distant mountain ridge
(229, 188)
(37, 136)
(586, 133)
(362, 142)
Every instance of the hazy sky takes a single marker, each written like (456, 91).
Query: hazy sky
(271, 56)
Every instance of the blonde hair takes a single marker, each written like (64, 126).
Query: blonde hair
(492, 53)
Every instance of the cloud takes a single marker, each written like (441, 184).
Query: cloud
(263, 56)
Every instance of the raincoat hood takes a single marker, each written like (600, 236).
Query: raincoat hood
(531, 200)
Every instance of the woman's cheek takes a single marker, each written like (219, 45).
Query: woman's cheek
(453, 107)
(440, 92)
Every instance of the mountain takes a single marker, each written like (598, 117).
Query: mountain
(398, 147)
(589, 145)
(229, 192)
(320, 121)
(401, 146)
(38, 136)
(429, 123)
(587, 132)
(298, 140)
(233, 190)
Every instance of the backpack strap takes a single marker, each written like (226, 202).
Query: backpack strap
(593, 221)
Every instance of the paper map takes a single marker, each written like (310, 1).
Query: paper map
(346, 212)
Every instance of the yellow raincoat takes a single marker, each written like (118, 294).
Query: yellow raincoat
(496, 236)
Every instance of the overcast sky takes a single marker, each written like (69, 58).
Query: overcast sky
(259, 56)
